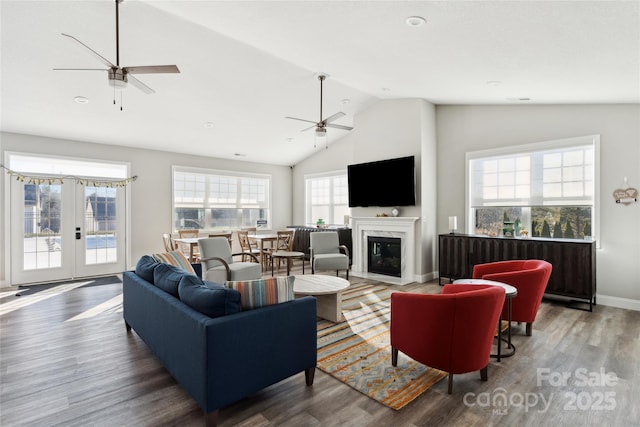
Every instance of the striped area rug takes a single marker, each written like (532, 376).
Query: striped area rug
(357, 351)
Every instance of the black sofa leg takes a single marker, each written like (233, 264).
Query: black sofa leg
(128, 326)
(309, 374)
(211, 418)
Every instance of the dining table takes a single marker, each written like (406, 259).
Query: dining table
(261, 239)
(192, 242)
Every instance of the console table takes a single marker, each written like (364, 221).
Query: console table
(574, 261)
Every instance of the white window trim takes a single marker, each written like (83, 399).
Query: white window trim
(232, 173)
(307, 198)
(539, 146)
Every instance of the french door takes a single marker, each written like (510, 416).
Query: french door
(64, 230)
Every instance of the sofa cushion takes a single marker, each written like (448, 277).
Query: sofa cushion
(261, 292)
(145, 267)
(175, 258)
(208, 298)
(167, 277)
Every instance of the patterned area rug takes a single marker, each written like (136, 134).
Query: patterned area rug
(357, 351)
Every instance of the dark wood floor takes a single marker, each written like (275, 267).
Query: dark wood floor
(66, 360)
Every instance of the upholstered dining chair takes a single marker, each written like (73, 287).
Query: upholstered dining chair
(529, 277)
(452, 331)
(245, 244)
(218, 265)
(168, 242)
(325, 252)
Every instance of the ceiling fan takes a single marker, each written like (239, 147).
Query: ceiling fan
(119, 76)
(323, 124)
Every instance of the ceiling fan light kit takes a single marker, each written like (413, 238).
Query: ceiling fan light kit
(322, 125)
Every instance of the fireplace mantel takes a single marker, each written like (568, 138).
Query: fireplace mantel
(403, 227)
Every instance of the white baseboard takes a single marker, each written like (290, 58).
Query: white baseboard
(628, 303)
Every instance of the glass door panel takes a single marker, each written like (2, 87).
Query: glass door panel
(39, 249)
(100, 250)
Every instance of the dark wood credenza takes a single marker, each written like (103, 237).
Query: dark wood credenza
(574, 261)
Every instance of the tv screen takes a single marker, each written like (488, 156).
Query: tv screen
(389, 182)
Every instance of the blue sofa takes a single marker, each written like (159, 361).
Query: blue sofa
(221, 360)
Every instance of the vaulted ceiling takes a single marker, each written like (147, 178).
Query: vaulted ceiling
(245, 65)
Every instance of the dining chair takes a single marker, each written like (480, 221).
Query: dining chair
(284, 242)
(169, 246)
(245, 244)
(185, 248)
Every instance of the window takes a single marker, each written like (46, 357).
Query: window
(219, 200)
(546, 189)
(326, 197)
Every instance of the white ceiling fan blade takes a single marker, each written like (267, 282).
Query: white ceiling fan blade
(336, 126)
(302, 120)
(100, 58)
(137, 83)
(336, 116)
(151, 69)
(309, 128)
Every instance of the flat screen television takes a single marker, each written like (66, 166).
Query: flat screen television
(389, 182)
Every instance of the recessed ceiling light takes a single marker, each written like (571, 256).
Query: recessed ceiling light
(81, 100)
(385, 89)
(494, 83)
(523, 99)
(208, 125)
(239, 154)
(415, 21)
(345, 101)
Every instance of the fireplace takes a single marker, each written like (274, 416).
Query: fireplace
(384, 255)
(401, 228)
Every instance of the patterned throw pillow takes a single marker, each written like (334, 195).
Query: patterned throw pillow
(176, 259)
(261, 292)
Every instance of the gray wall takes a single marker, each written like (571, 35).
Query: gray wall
(150, 194)
(387, 129)
(469, 128)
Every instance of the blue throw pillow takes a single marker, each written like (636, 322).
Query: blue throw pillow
(145, 267)
(167, 277)
(208, 298)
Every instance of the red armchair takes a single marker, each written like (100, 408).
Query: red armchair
(530, 277)
(452, 331)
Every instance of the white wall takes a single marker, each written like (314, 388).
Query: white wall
(387, 129)
(150, 193)
(469, 128)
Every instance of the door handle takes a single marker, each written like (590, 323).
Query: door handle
(78, 233)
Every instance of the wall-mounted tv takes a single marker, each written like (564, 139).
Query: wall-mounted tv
(390, 182)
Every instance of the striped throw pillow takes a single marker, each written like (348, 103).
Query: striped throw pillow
(176, 259)
(262, 292)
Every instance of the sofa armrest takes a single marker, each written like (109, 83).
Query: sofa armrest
(253, 349)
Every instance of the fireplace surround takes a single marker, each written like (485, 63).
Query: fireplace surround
(403, 228)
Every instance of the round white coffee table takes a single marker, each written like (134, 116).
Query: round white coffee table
(509, 293)
(328, 293)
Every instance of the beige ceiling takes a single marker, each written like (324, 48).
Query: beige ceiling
(245, 65)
